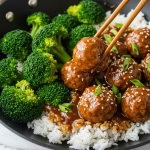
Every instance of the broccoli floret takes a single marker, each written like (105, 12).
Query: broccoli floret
(18, 43)
(87, 11)
(48, 40)
(77, 34)
(40, 68)
(67, 21)
(54, 93)
(38, 20)
(20, 104)
(9, 74)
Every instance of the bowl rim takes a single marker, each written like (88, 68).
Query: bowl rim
(54, 146)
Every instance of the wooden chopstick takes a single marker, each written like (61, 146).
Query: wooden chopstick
(111, 18)
(127, 23)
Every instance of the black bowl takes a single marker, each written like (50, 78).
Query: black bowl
(52, 8)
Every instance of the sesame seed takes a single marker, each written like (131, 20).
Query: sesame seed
(146, 46)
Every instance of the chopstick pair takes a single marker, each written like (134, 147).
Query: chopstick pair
(127, 23)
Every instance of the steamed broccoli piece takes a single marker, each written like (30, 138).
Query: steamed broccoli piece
(48, 40)
(38, 20)
(18, 43)
(8, 72)
(87, 11)
(77, 34)
(20, 104)
(68, 21)
(54, 93)
(40, 68)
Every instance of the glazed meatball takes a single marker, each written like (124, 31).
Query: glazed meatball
(97, 108)
(122, 38)
(122, 50)
(104, 64)
(74, 78)
(88, 52)
(136, 104)
(144, 67)
(141, 37)
(115, 74)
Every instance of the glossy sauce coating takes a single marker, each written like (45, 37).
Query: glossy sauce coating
(136, 104)
(115, 74)
(119, 117)
(104, 64)
(144, 67)
(97, 108)
(141, 37)
(122, 38)
(101, 77)
(88, 52)
(66, 118)
(122, 50)
(74, 78)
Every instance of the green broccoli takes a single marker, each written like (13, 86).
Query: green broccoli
(20, 104)
(18, 43)
(40, 68)
(54, 93)
(9, 74)
(48, 40)
(38, 20)
(68, 21)
(87, 11)
(77, 34)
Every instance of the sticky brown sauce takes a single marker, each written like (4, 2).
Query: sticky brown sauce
(66, 118)
(122, 38)
(119, 117)
(101, 77)
(70, 118)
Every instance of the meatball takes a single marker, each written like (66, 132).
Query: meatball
(115, 74)
(104, 64)
(88, 52)
(141, 37)
(74, 78)
(136, 104)
(122, 38)
(97, 108)
(144, 67)
(122, 50)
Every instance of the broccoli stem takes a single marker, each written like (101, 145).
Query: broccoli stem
(35, 28)
(39, 29)
(59, 66)
(60, 52)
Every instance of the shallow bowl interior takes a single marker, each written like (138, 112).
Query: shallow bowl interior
(52, 8)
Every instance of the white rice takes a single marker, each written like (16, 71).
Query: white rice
(87, 136)
(138, 22)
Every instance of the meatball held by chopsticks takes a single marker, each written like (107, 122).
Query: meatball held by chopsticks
(88, 52)
(74, 78)
(97, 104)
(145, 65)
(138, 42)
(136, 104)
(122, 71)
